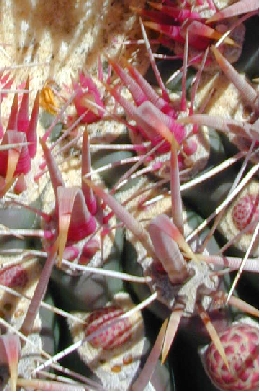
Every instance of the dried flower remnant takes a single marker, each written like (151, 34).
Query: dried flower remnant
(13, 276)
(244, 211)
(241, 345)
(113, 337)
(111, 346)
(241, 218)
(22, 278)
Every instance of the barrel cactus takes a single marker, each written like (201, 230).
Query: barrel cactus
(128, 202)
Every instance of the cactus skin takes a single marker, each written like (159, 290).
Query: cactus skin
(14, 276)
(240, 342)
(244, 211)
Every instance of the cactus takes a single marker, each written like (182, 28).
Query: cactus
(128, 212)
